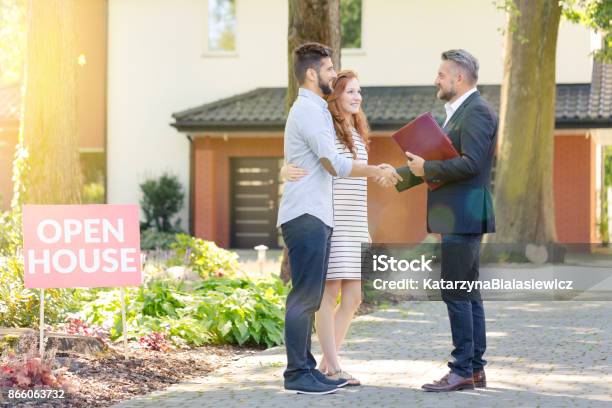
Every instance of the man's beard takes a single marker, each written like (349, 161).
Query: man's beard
(446, 95)
(325, 88)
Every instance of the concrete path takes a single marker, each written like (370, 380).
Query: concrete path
(541, 354)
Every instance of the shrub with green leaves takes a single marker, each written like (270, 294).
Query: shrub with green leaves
(19, 306)
(102, 307)
(204, 257)
(161, 200)
(151, 239)
(242, 311)
(93, 193)
(218, 311)
(10, 233)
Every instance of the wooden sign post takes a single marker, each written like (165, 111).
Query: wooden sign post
(41, 324)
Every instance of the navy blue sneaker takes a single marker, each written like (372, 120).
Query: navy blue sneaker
(308, 384)
(322, 378)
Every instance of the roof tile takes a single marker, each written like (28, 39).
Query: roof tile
(391, 107)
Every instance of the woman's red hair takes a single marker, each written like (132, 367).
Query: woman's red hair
(341, 124)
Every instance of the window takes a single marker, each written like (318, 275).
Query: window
(222, 25)
(350, 16)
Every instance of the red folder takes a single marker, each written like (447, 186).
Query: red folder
(424, 137)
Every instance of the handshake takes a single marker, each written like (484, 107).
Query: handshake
(388, 176)
(384, 174)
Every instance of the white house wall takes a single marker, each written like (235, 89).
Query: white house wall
(158, 64)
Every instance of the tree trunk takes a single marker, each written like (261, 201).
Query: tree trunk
(524, 176)
(312, 20)
(309, 20)
(52, 173)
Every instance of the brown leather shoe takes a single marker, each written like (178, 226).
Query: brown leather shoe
(436, 382)
(450, 382)
(480, 379)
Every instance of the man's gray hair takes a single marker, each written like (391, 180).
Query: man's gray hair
(465, 60)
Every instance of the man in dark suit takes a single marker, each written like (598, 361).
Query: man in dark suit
(461, 210)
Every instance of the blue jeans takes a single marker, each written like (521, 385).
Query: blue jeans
(308, 242)
(460, 261)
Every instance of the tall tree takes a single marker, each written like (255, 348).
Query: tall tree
(47, 168)
(523, 183)
(309, 20)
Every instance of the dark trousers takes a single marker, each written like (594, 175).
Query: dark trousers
(308, 242)
(460, 262)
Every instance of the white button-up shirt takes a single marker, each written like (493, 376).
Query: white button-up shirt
(309, 137)
(451, 108)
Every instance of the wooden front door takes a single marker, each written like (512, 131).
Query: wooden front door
(255, 197)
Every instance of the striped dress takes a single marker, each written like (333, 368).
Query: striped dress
(350, 219)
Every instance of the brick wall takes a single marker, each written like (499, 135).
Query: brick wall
(574, 188)
(212, 180)
(393, 217)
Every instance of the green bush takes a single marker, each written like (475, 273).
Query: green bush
(151, 239)
(102, 307)
(204, 257)
(161, 200)
(242, 311)
(10, 233)
(160, 300)
(19, 306)
(218, 311)
(93, 193)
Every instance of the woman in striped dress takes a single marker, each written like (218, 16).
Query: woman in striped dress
(350, 224)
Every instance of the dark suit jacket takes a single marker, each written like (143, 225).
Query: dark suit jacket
(464, 204)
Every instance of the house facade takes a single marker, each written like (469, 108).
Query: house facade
(166, 57)
(206, 60)
(237, 152)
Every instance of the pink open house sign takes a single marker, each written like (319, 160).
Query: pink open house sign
(70, 246)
